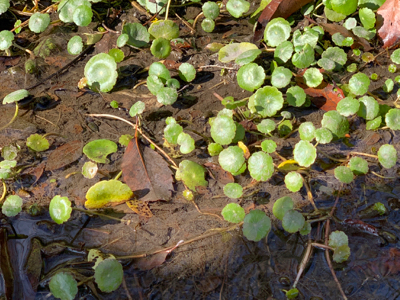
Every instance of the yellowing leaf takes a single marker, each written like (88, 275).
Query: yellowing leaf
(106, 193)
(245, 149)
(140, 207)
(289, 165)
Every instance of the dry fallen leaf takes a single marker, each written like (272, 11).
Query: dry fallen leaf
(388, 23)
(64, 155)
(139, 207)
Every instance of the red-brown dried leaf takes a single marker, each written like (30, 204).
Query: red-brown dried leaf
(275, 9)
(155, 260)
(388, 23)
(64, 155)
(219, 174)
(36, 171)
(146, 172)
(8, 61)
(141, 208)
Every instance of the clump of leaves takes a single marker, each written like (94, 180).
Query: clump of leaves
(339, 241)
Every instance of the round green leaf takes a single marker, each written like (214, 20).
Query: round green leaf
(283, 52)
(6, 39)
(12, 206)
(98, 150)
(256, 225)
(208, 25)
(304, 58)
(137, 108)
(4, 6)
(214, 149)
(285, 127)
(387, 156)
(392, 119)
(388, 85)
(293, 181)
(192, 174)
(333, 58)
(293, 221)
(171, 133)
(369, 108)
(237, 7)
(122, 40)
(336, 123)
(233, 213)
(267, 101)
(358, 165)
(338, 238)
(166, 29)
(268, 146)
(277, 31)
(395, 56)
(348, 106)
(307, 131)
(281, 77)
(75, 45)
(160, 48)
(38, 22)
(295, 96)
(306, 229)
(266, 126)
(305, 153)
(250, 77)
(15, 96)
(167, 95)
(60, 209)
(367, 17)
(137, 34)
(82, 15)
(233, 190)
(89, 169)
(108, 275)
(37, 142)
(63, 286)
(186, 142)
(261, 166)
(281, 206)
(125, 139)
(341, 254)
(107, 192)
(173, 83)
(223, 130)
(231, 159)
(350, 23)
(117, 54)
(313, 77)
(247, 57)
(233, 51)
(66, 9)
(344, 174)
(374, 124)
(154, 84)
(210, 10)
(346, 7)
(187, 72)
(359, 84)
(102, 69)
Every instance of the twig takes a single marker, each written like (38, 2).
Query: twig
(309, 193)
(203, 213)
(303, 263)
(192, 30)
(141, 132)
(140, 8)
(196, 19)
(361, 153)
(332, 158)
(13, 119)
(380, 176)
(4, 192)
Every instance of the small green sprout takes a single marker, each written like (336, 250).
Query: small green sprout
(233, 213)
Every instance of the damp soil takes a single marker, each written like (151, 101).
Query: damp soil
(214, 264)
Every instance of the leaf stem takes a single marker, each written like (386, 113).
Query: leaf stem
(13, 119)
(4, 191)
(167, 9)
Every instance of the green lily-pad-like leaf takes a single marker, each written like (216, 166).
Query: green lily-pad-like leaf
(137, 108)
(6, 39)
(341, 254)
(98, 150)
(250, 77)
(82, 15)
(233, 51)
(395, 56)
(285, 128)
(281, 206)
(358, 165)
(12, 206)
(187, 72)
(160, 70)
(261, 166)
(214, 149)
(8, 164)
(138, 35)
(192, 174)
(15, 96)
(223, 130)
(333, 59)
(102, 69)
(108, 275)
(346, 7)
(173, 83)
(247, 57)
(256, 225)
(171, 133)
(166, 29)
(122, 40)
(267, 101)
(4, 6)
(304, 58)
(117, 54)
(237, 7)
(66, 9)
(293, 181)
(307, 131)
(283, 52)
(208, 25)
(369, 108)
(364, 33)
(359, 84)
(106, 192)
(63, 286)
(37, 142)
(161, 48)
(75, 45)
(374, 124)
(338, 238)
(268, 146)
(233, 213)
(342, 41)
(281, 77)
(89, 169)
(60, 209)
(367, 17)
(266, 126)
(313, 77)
(388, 85)
(387, 156)
(154, 84)
(277, 31)
(186, 142)
(305, 153)
(233, 190)
(308, 37)
(293, 221)
(38, 22)
(295, 96)
(231, 159)
(167, 95)
(125, 139)
(336, 123)
(348, 106)
(392, 119)
(344, 174)
(210, 10)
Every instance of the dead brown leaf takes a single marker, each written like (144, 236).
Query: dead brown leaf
(388, 23)
(139, 207)
(36, 171)
(146, 172)
(219, 174)
(155, 260)
(64, 155)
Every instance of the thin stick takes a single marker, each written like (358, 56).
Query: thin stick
(4, 192)
(380, 176)
(203, 213)
(361, 153)
(303, 263)
(195, 20)
(192, 30)
(13, 119)
(309, 193)
(332, 158)
(167, 10)
(134, 126)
